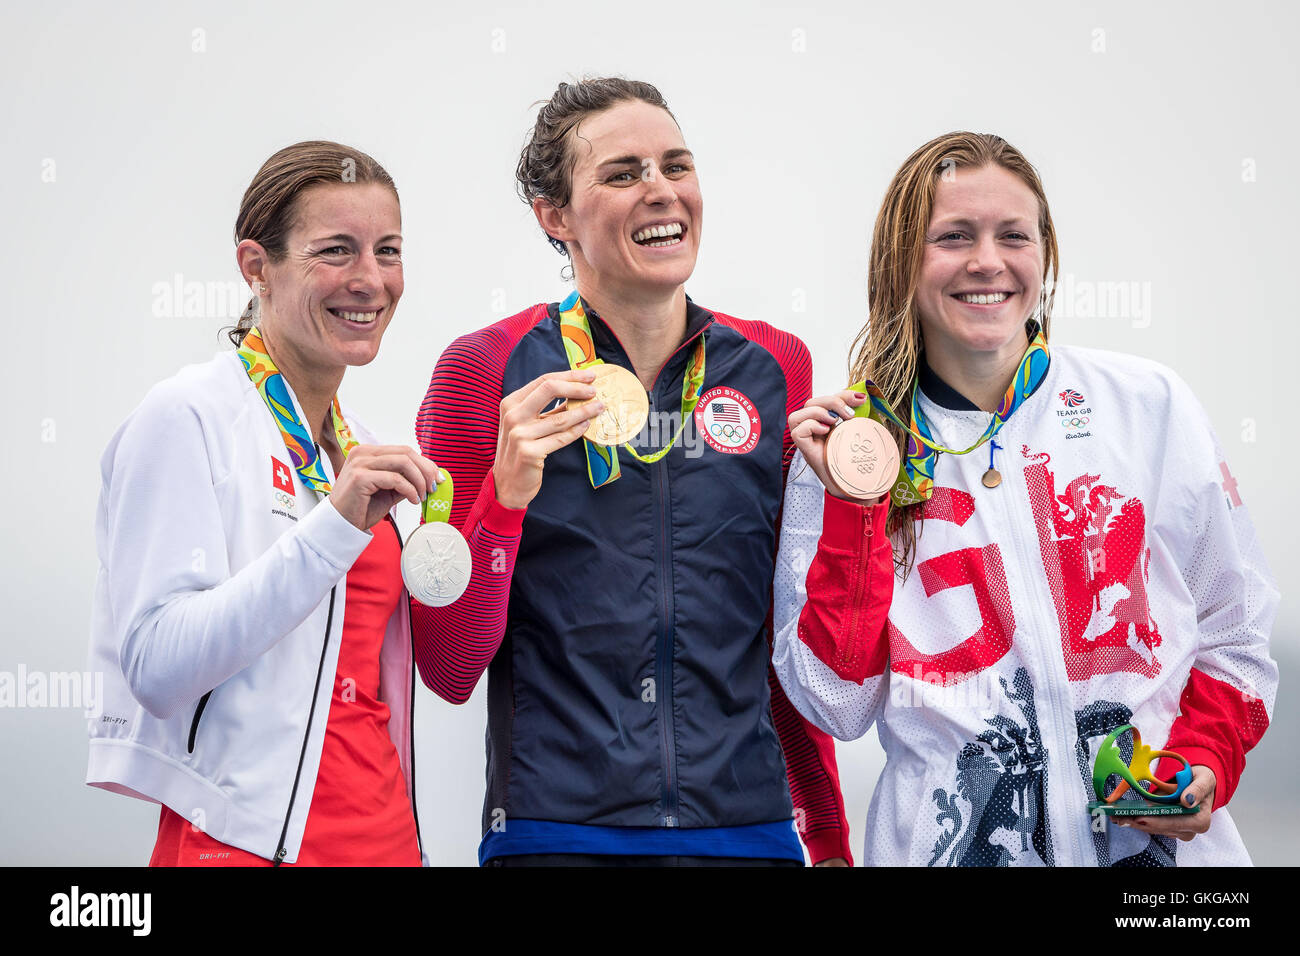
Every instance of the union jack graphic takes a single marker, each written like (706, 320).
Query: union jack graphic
(723, 412)
(1072, 398)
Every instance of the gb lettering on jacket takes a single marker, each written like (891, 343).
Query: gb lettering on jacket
(1095, 559)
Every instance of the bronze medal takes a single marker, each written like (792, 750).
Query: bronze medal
(862, 458)
(626, 406)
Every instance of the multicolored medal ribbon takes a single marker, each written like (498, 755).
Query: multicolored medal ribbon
(916, 472)
(274, 390)
(436, 561)
(602, 460)
(1138, 777)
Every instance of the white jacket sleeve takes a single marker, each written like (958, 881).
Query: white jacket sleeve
(1228, 700)
(843, 707)
(183, 621)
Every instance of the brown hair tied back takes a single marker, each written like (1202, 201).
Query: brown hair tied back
(546, 163)
(888, 349)
(268, 211)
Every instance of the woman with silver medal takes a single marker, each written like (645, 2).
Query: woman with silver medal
(250, 556)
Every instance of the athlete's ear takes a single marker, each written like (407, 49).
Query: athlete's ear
(253, 260)
(552, 220)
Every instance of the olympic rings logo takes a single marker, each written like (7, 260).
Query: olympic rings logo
(1075, 422)
(905, 494)
(285, 501)
(439, 505)
(728, 431)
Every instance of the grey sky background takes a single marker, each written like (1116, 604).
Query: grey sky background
(1164, 132)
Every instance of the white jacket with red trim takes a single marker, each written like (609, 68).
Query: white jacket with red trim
(1112, 577)
(220, 599)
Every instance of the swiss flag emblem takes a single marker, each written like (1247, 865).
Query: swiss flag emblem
(281, 476)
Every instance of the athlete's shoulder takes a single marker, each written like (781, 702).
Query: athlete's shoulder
(200, 405)
(1118, 374)
(782, 344)
(493, 343)
(472, 367)
(787, 348)
(214, 390)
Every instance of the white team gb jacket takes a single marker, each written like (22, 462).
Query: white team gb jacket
(1112, 577)
(218, 611)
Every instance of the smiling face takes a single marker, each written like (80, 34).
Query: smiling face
(982, 268)
(632, 224)
(334, 292)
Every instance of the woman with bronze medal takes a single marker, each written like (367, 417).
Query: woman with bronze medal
(620, 456)
(1003, 554)
(249, 616)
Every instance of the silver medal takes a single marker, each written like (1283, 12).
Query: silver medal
(436, 564)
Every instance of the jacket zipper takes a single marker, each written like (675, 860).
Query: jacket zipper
(663, 566)
(282, 852)
(663, 645)
(410, 626)
(1049, 655)
(861, 587)
(198, 712)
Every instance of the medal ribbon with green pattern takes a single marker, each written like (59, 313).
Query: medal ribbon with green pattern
(436, 505)
(602, 461)
(275, 392)
(916, 472)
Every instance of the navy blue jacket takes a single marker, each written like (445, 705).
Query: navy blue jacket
(632, 685)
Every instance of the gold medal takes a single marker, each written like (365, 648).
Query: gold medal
(626, 406)
(862, 457)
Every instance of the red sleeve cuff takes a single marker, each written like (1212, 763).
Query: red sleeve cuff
(827, 845)
(845, 523)
(497, 518)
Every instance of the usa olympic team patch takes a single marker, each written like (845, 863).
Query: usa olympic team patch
(728, 421)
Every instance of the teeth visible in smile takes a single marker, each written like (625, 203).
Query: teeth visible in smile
(361, 318)
(992, 299)
(658, 232)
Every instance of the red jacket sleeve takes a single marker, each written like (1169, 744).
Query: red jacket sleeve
(457, 428)
(850, 586)
(1217, 725)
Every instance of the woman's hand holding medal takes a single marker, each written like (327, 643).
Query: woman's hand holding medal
(854, 458)
(376, 477)
(528, 432)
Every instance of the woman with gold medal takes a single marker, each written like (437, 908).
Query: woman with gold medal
(620, 456)
(1059, 553)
